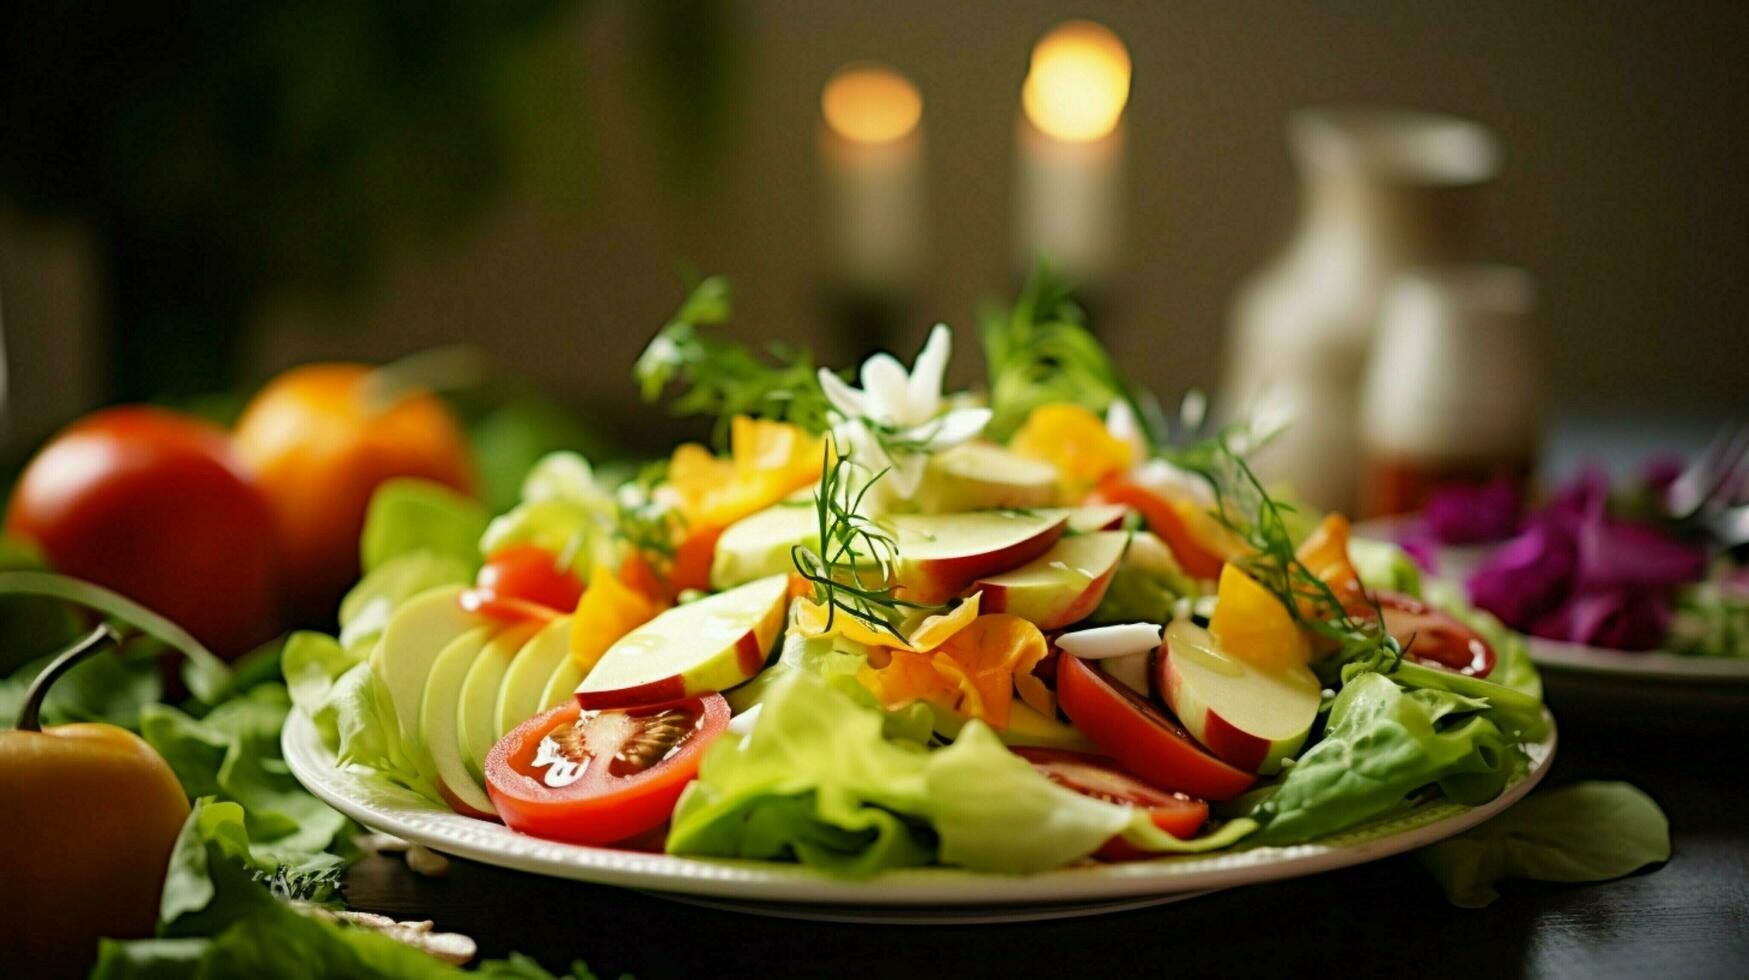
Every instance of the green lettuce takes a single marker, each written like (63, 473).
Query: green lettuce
(1591, 831)
(1384, 565)
(1147, 583)
(819, 781)
(365, 611)
(409, 515)
(836, 661)
(563, 509)
(1381, 745)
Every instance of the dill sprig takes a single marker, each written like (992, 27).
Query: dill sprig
(318, 885)
(724, 379)
(1243, 506)
(855, 569)
(1040, 351)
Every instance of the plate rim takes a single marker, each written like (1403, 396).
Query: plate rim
(422, 822)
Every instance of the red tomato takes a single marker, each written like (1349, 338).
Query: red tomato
(596, 777)
(522, 582)
(1100, 778)
(155, 505)
(1140, 735)
(1430, 636)
(1196, 559)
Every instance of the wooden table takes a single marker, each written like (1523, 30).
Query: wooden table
(1689, 918)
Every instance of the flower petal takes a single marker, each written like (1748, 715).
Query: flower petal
(924, 388)
(956, 427)
(884, 391)
(847, 400)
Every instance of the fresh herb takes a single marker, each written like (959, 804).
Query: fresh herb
(855, 569)
(725, 379)
(1040, 351)
(1243, 506)
(645, 523)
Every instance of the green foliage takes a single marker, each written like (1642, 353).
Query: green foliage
(1040, 351)
(723, 379)
(1591, 831)
(409, 515)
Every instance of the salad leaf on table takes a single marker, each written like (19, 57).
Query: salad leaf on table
(1591, 831)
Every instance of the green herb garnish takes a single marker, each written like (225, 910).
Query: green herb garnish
(855, 569)
(725, 379)
(1040, 351)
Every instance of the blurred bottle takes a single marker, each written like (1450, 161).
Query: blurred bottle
(1383, 189)
(1451, 390)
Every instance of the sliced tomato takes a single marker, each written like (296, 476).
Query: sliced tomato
(523, 582)
(1101, 778)
(1430, 636)
(1141, 735)
(597, 777)
(1164, 521)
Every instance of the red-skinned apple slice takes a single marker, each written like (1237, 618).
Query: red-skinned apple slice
(1060, 587)
(941, 554)
(710, 644)
(1250, 716)
(1145, 739)
(1093, 517)
(983, 476)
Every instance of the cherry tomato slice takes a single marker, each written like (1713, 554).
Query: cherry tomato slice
(596, 777)
(523, 582)
(1141, 735)
(1158, 514)
(1101, 778)
(1430, 636)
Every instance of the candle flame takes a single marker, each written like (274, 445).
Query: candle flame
(871, 103)
(1079, 82)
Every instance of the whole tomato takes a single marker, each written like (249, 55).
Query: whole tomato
(155, 505)
(318, 441)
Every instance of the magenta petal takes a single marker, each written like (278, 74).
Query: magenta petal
(1472, 513)
(1527, 577)
(1622, 619)
(1616, 554)
(1582, 501)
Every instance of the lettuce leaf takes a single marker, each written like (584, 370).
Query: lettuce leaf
(1382, 744)
(1384, 565)
(819, 782)
(410, 515)
(1591, 831)
(365, 611)
(1147, 583)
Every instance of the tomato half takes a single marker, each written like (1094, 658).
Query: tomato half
(1091, 775)
(1430, 636)
(1157, 512)
(596, 777)
(523, 582)
(1141, 735)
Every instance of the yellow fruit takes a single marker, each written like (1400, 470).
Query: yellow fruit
(1251, 623)
(1077, 443)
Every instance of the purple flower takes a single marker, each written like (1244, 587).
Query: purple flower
(1618, 554)
(1528, 577)
(1472, 513)
(1623, 619)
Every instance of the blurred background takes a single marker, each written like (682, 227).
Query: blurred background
(196, 196)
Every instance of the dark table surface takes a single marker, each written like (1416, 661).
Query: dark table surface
(1688, 918)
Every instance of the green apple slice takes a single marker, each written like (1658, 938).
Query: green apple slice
(561, 685)
(983, 476)
(941, 554)
(1062, 586)
(476, 714)
(519, 699)
(437, 723)
(759, 546)
(711, 644)
(1250, 716)
(416, 634)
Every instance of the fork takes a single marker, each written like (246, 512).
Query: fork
(1713, 477)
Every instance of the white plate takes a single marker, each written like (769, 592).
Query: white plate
(914, 895)
(1455, 565)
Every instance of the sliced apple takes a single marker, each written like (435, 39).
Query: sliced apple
(566, 676)
(1248, 715)
(761, 545)
(941, 554)
(1060, 587)
(415, 635)
(711, 644)
(531, 668)
(1093, 517)
(983, 476)
(476, 710)
(465, 791)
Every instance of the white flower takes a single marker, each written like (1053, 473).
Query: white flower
(1121, 422)
(1152, 472)
(897, 419)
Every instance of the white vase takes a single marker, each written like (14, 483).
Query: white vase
(1451, 390)
(1382, 190)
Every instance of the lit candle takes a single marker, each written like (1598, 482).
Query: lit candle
(871, 147)
(1070, 146)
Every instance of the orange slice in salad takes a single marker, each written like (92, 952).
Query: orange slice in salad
(1252, 624)
(610, 608)
(1076, 442)
(1325, 554)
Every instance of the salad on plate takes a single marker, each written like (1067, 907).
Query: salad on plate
(878, 623)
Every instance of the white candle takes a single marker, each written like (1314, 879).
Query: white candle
(1068, 188)
(871, 148)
